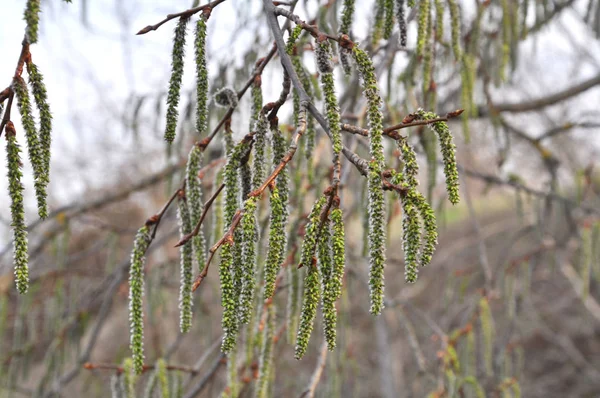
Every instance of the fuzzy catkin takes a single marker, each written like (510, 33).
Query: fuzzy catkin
(228, 300)
(401, 22)
(328, 285)
(186, 268)
(40, 97)
(423, 23)
(309, 309)
(201, 77)
(161, 375)
(15, 191)
(277, 241)
(389, 19)
(265, 368)
(455, 28)
(448, 149)
(194, 202)
(32, 18)
(311, 232)
(175, 81)
(347, 16)
(339, 250)
(249, 230)
(376, 203)
(136, 297)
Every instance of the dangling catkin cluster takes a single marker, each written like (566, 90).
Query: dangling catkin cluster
(136, 297)
(311, 282)
(36, 155)
(176, 77)
(376, 204)
(328, 285)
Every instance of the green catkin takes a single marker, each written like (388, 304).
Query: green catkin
(257, 101)
(276, 246)
(401, 22)
(309, 309)
(245, 180)
(429, 225)
(175, 81)
(347, 16)
(339, 250)
(294, 36)
(376, 203)
(129, 377)
(487, 330)
(226, 98)
(332, 110)
(17, 209)
(186, 268)
(428, 57)
(36, 156)
(249, 228)
(448, 149)
(161, 375)
(311, 232)
(201, 77)
(40, 96)
(293, 278)
(409, 158)
(411, 240)
(117, 389)
(389, 19)
(328, 285)
(32, 18)
(194, 202)
(136, 297)
(323, 57)
(439, 20)
(265, 368)
(455, 28)
(423, 23)
(217, 209)
(378, 23)
(228, 299)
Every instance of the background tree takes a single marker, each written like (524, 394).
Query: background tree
(292, 166)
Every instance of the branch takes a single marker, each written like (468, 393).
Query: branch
(207, 205)
(228, 237)
(119, 369)
(184, 14)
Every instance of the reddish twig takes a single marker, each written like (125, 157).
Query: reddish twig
(206, 8)
(228, 237)
(145, 368)
(196, 230)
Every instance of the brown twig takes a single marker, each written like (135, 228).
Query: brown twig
(196, 230)
(145, 368)
(206, 8)
(228, 237)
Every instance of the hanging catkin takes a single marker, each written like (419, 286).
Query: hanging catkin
(176, 77)
(136, 297)
(376, 202)
(17, 210)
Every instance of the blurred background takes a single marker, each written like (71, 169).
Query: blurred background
(508, 306)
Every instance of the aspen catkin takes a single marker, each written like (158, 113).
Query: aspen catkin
(175, 82)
